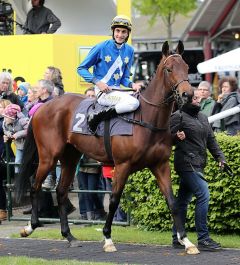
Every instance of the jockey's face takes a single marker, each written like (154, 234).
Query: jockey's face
(120, 35)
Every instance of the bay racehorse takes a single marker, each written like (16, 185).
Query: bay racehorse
(50, 139)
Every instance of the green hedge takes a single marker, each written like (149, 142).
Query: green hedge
(149, 209)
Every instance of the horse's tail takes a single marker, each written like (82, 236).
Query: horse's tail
(28, 165)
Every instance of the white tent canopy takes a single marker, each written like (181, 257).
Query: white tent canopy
(226, 62)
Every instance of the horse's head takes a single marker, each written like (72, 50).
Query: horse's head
(176, 73)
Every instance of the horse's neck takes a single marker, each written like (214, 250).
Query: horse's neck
(156, 93)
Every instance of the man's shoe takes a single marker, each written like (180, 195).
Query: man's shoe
(177, 245)
(100, 215)
(3, 215)
(83, 216)
(27, 211)
(209, 245)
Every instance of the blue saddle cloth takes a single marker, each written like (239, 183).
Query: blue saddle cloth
(118, 126)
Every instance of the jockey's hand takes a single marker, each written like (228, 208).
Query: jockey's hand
(137, 86)
(103, 87)
(181, 135)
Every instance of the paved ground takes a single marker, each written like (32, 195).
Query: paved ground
(92, 251)
(126, 254)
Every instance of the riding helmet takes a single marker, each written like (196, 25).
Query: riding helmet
(121, 21)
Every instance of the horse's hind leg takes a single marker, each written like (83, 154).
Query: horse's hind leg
(119, 180)
(163, 176)
(69, 162)
(42, 171)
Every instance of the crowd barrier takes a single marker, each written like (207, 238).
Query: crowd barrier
(10, 190)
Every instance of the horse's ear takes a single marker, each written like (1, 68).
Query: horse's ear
(180, 47)
(165, 48)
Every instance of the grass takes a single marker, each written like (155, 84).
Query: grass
(128, 235)
(32, 261)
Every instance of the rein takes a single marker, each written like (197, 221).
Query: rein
(142, 123)
(174, 96)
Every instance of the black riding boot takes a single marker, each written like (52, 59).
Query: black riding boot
(95, 118)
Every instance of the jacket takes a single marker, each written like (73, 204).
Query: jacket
(39, 20)
(207, 106)
(111, 64)
(18, 127)
(229, 101)
(191, 153)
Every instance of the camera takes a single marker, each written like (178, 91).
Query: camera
(6, 15)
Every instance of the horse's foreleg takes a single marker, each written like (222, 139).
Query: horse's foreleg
(68, 165)
(163, 175)
(120, 178)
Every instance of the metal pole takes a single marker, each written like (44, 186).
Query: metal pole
(9, 192)
(224, 114)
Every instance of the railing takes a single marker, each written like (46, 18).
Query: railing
(10, 189)
(224, 114)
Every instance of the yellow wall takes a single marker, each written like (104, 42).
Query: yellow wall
(28, 56)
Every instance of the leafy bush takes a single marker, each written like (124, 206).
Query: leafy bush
(149, 209)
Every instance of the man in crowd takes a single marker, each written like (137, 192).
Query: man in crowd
(207, 102)
(41, 19)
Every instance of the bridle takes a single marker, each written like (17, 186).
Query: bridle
(174, 95)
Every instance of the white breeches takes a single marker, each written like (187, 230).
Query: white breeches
(123, 101)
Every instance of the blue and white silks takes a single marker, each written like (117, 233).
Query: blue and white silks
(111, 65)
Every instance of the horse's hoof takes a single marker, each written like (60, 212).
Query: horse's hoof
(192, 250)
(75, 244)
(23, 233)
(109, 248)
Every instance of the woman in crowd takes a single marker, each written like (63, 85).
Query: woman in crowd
(6, 86)
(54, 74)
(227, 99)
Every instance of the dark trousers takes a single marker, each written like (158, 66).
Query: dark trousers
(3, 200)
(192, 184)
(89, 202)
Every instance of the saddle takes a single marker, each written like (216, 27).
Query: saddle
(106, 128)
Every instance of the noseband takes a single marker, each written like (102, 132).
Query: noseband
(174, 96)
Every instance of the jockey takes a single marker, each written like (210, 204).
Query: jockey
(111, 61)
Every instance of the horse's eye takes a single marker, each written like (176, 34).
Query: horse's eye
(168, 70)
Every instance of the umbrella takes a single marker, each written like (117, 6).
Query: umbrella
(226, 62)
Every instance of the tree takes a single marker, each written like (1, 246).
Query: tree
(166, 9)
